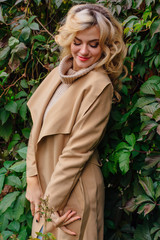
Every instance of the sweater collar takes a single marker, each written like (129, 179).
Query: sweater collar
(67, 74)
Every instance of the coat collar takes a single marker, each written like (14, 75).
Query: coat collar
(67, 106)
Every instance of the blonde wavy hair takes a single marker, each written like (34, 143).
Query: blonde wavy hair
(81, 17)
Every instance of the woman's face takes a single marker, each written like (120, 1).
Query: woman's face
(85, 48)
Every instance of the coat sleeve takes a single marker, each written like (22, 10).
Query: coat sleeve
(31, 160)
(84, 138)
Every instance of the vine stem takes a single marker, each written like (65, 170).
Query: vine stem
(45, 28)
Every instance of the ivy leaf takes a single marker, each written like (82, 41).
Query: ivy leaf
(146, 208)
(157, 194)
(11, 107)
(14, 226)
(4, 115)
(23, 152)
(6, 130)
(37, 2)
(19, 166)
(124, 161)
(131, 205)
(147, 184)
(23, 110)
(6, 235)
(26, 31)
(131, 139)
(123, 145)
(22, 234)
(13, 181)
(19, 206)
(12, 42)
(143, 198)
(155, 27)
(8, 200)
(34, 26)
(2, 178)
(4, 53)
(1, 16)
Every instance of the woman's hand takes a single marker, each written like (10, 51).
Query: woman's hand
(34, 194)
(61, 221)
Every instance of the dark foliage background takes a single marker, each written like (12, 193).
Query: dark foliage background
(130, 150)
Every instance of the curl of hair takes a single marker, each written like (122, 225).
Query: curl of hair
(81, 17)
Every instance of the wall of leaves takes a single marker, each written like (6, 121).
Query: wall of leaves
(130, 150)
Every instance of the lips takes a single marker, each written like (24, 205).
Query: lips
(83, 58)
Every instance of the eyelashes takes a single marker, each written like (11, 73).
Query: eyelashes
(95, 45)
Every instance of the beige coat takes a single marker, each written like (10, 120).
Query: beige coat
(62, 150)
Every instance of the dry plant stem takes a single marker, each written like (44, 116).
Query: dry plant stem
(45, 28)
(6, 89)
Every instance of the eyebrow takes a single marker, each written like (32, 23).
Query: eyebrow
(94, 40)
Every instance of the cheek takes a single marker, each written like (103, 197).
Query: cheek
(97, 53)
(73, 49)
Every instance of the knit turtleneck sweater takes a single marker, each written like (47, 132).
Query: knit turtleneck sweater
(68, 76)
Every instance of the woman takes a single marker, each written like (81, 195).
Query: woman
(70, 110)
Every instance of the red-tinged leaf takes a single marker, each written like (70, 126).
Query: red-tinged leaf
(143, 198)
(131, 205)
(151, 161)
(146, 208)
(158, 129)
(14, 62)
(147, 184)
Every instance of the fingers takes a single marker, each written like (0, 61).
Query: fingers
(73, 219)
(37, 213)
(66, 230)
(32, 206)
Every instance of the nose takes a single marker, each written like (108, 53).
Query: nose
(84, 49)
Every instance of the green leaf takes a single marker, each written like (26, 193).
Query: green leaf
(12, 42)
(11, 107)
(2, 178)
(40, 38)
(147, 184)
(34, 26)
(21, 94)
(131, 139)
(23, 152)
(20, 206)
(24, 83)
(13, 181)
(19, 166)
(24, 183)
(143, 101)
(23, 23)
(131, 205)
(7, 164)
(6, 130)
(142, 199)
(124, 161)
(8, 200)
(20, 50)
(23, 110)
(4, 115)
(26, 31)
(155, 27)
(37, 2)
(146, 208)
(157, 194)
(26, 132)
(4, 53)
(123, 145)
(31, 19)
(14, 141)
(156, 115)
(6, 235)
(3, 222)
(142, 232)
(22, 234)
(14, 226)
(1, 16)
